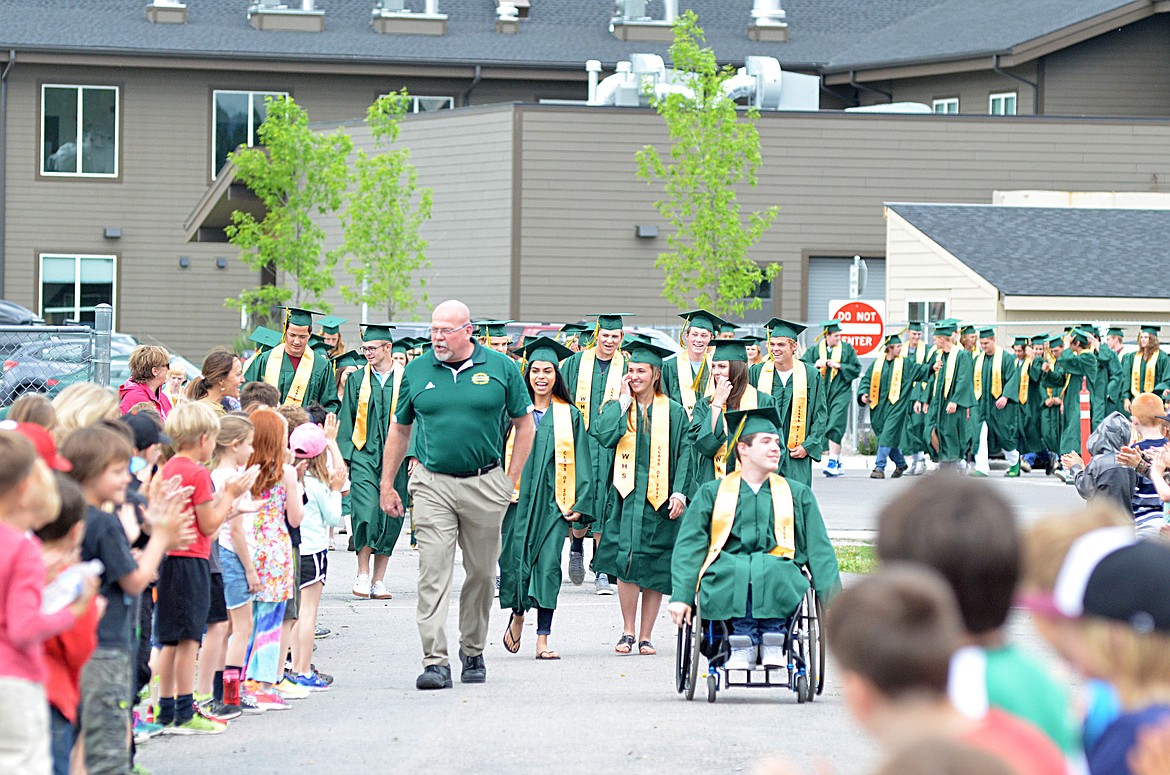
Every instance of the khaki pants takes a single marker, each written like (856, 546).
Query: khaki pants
(24, 728)
(468, 511)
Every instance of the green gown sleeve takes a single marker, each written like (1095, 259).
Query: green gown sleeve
(583, 466)
(255, 372)
(850, 365)
(691, 545)
(818, 409)
(863, 386)
(1011, 377)
(1162, 374)
(707, 441)
(963, 385)
(608, 427)
(670, 378)
(346, 414)
(682, 466)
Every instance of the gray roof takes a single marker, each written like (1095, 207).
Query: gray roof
(1054, 251)
(560, 33)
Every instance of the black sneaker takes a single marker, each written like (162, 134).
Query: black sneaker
(434, 677)
(474, 671)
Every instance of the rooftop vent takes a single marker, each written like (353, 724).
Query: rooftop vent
(392, 17)
(631, 21)
(523, 7)
(507, 18)
(166, 12)
(274, 15)
(769, 22)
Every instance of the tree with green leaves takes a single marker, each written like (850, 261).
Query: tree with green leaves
(713, 150)
(382, 247)
(298, 174)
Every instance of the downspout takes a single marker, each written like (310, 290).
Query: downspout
(4, 159)
(474, 82)
(853, 82)
(1025, 81)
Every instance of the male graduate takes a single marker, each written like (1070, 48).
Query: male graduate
(1104, 379)
(949, 398)
(726, 330)
(885, 388)
(1027, 425)
(1146, 369)
(594, 376)
(1076, 365)
(742, 543)
(1115, 342)
(914, 440)
(371, 396)
(688, 376)
(571, 334)
(799, 395)
(264, 339)
(494, 334)
(836, 360)
(969, 339)
(1054, 389)
(300, 375)
(995, 416)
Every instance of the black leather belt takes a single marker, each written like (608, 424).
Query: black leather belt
(477, 472)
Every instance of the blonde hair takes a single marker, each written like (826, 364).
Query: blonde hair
(34, 408)
(1047, 542)
(1137, 664)
(190, 423)
(175, 371)
(319, 466)
(41, 498)
(145, 359)
(233, 429)
(81, 405)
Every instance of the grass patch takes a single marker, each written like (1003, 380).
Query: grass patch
(856, 558)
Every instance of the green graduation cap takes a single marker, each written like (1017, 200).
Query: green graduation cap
(319, 345)
(750, 421)
(644, 352)
(1077, 335)
(727, 328)
(778, 327)
(377, 332)
(295, 316)
(1151, 329)
(265, 338)
(831, 326)
(352, 358)
(1040, 338)
(496, 329)
(1114, 331)
(402, 346)
(969, 330)
(1089, 328)
(944, 328)
(914, 325)
(987, 333)
(332, 325)
(892, 340)
(630, 338)
(611, 321)
(708, 321)
(731, 350)
(1020, 341)
(546, 350)
(1056, 340)
(573, 329)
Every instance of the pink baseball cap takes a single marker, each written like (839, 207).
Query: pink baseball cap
(307, 440)
(43, 441)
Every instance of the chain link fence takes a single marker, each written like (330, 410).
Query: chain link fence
(47, 359)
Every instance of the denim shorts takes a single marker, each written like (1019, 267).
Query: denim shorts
(235, 581)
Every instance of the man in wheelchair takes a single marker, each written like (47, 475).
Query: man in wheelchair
(742, 543)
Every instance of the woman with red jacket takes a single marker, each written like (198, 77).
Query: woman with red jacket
(149, 367)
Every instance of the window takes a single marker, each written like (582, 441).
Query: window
(926, 311)
(947, 105)
(763, 292)
(71, 286)
(429, 104)
(1003, 104)
(79, 130)
(238, 116)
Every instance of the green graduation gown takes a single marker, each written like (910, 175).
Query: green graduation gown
(1081, 368)
(1003, 425)
(372, 527)
(1103, 398)
(670, 383)
(838, 387)
(534, 532)
(601, 459)
(1161, 376)
(798, 469)
(321, 388)
(707, 442)
(777, 585)
(637, 539)
(951, 430)
(1031, 438)
(889, 420)
(914, 429)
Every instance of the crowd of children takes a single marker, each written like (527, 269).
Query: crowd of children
(175, 566)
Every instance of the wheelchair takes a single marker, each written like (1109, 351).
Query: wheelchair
(804, 648)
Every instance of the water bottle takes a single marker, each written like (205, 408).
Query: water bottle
(66, 588)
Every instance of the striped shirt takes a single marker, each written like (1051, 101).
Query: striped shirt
(1147, 506)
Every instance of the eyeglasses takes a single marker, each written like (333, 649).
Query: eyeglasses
(372, 348)
(446, 332)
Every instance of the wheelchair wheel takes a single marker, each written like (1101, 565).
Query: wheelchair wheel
(682, 659)
(694, 651)
(712, 687)
(803, 694)
(818, 647)
(814, 658)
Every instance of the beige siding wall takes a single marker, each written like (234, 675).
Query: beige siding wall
(1120, 73)
(973, 90)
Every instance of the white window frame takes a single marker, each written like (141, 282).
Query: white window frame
(80, 131)
(926, 302)
(77, 257)
(252, 94)
(1004, 96)
(946, 103)
(414, 101)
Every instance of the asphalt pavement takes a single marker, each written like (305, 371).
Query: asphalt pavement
(590, 712)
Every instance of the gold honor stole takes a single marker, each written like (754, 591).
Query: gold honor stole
(686, 381)
(750, 400)
(564, 458)
(613, 380)
(625, 463)
(836, 356)
(996, 374)
(1138, 382)
(1067, 379)
(798, 430)
(1025, 379)
(723, 515)
(950, 360)
(875, 381)
(300, 383)
(362, 416)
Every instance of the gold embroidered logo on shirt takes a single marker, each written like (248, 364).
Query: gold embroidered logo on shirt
(480, 379)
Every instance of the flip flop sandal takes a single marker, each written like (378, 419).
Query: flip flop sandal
(625, 645)
(510, 643)
(548, 656)
(646, 648)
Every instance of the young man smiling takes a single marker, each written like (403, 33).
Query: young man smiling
(300, 375)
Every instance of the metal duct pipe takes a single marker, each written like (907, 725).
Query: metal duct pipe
(593, 67)
(669, 11)
(432, 7)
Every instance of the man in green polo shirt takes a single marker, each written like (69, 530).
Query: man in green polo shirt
(458, 391)
(300, 375)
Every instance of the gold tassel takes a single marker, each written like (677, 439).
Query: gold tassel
(698, 376)
(732, 442)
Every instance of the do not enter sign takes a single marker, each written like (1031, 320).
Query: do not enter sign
(863, 323)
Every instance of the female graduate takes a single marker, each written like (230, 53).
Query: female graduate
(555, 492)
(651, 473)
(733, 392)
(1147, 369)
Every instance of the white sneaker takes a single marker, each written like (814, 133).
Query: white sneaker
(919, 468)
(743, 653)
(772, 650)
(602, 586)
(378, 591)
(361, 587)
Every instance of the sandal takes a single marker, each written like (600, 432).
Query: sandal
(548, 655)
(625, 645)
(514, 645)
(646, 648)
